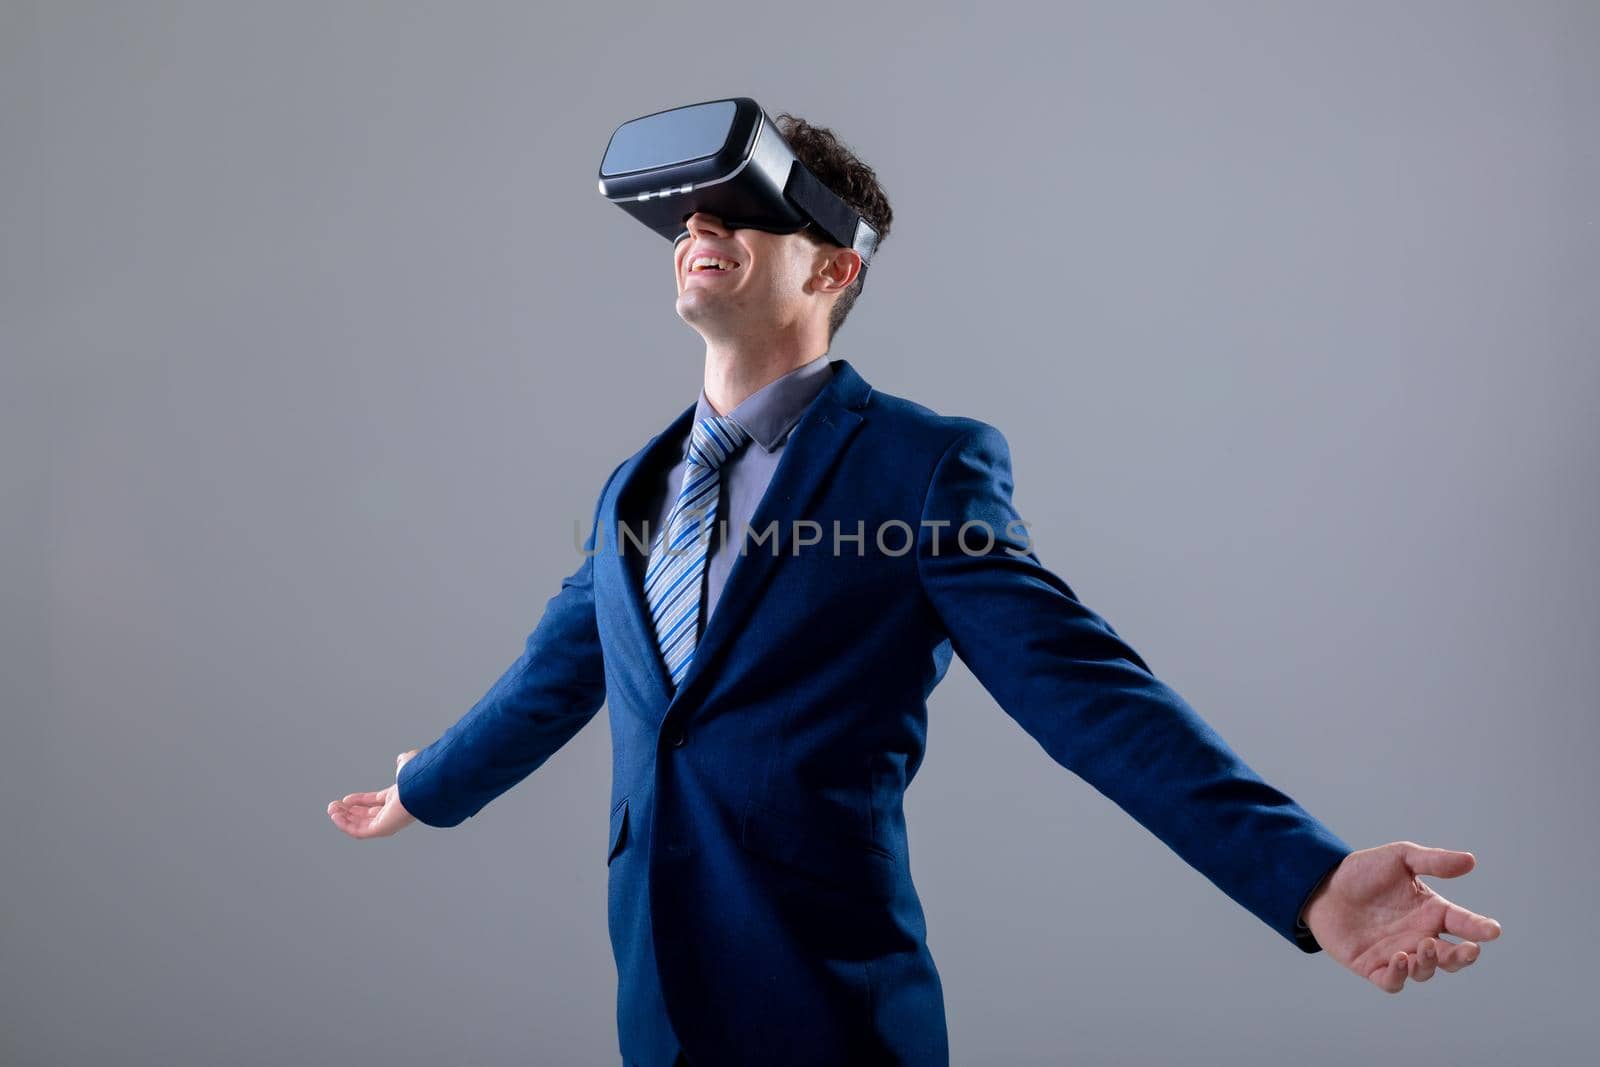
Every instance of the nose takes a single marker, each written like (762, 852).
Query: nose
(702, 223)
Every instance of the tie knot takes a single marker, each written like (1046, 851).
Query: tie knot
(713, 440)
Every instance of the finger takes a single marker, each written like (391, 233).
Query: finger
(1425, 960)
(353, 810)
(1391, 977)
(1438, 862)
(1463, 923)
(1398, 966)
(350, 825)
(1453, 956)
(365, 799)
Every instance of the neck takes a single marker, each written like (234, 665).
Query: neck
(735, 369)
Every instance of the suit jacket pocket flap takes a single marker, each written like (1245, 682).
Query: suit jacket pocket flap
(848, 862)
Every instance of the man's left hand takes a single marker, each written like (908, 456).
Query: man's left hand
(1376, 917)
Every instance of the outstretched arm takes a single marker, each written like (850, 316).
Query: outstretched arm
(1066, 676)
(537, 705)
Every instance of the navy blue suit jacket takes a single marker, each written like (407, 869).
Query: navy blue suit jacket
(760, 901)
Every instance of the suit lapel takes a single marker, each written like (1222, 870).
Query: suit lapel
(619, 556)
(815, 445)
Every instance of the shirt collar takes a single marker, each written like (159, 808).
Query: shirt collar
(769, 413)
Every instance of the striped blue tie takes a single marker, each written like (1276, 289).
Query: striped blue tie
(673, 578)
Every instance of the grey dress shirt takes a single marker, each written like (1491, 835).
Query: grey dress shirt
(767, 415)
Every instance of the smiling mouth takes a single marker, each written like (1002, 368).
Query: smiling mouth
(712, 265)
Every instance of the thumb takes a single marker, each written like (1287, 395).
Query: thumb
(1439, 862)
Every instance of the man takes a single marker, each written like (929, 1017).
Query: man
(769, 590)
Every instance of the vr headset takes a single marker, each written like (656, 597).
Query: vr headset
(726, 158)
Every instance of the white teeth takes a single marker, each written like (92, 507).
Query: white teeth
(705, 262)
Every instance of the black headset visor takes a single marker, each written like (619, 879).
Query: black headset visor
(726, 158)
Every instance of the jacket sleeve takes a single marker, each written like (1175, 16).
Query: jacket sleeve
(1093, 704)
(539, 704)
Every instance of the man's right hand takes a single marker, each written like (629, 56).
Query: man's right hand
(378, 814)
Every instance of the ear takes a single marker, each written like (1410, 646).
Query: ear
(837, 269)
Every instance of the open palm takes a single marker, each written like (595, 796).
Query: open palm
(1377, 918)
(375, 814)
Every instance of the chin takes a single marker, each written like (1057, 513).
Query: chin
(691, 311)
(693, 305)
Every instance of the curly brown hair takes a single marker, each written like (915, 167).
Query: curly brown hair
(841, 170)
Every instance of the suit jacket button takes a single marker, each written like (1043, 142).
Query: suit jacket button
(678, 739)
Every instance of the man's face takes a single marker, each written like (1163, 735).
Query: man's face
(742, 283)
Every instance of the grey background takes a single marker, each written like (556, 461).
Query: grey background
(1288, 312)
